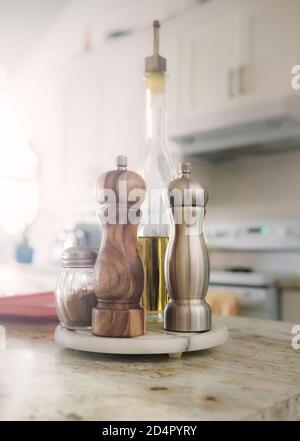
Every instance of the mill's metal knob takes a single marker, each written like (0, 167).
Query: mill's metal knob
(121, 162)
(185, 168)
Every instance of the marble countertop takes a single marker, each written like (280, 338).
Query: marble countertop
(255, 375)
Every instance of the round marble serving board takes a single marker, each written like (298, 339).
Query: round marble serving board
(155, 341)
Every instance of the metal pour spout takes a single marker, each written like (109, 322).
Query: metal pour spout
(156, 26)
(155, 63)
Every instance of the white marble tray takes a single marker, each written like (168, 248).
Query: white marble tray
(156, 341)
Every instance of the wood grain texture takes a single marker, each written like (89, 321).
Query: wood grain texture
(119, 271)
(118, 323)
(119, 284)
(115, 180)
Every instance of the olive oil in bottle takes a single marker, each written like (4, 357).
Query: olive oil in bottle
(155, 295)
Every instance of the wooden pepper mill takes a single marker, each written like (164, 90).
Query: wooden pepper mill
(119, 272)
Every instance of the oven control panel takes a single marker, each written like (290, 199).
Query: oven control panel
(254, 235)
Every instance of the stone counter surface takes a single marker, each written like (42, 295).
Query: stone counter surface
(255, 375)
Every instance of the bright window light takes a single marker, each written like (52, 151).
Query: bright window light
(19, 192)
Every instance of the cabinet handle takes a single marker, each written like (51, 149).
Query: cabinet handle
(242, 80)
(230, 81)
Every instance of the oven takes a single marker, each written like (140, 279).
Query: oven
(250, 294)
(247, 260)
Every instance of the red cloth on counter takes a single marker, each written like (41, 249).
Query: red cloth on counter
(40, 305)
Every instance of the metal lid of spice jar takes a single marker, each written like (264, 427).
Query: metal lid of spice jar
(79, 257)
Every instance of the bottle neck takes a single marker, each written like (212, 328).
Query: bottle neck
(156, 110)
(157, 166)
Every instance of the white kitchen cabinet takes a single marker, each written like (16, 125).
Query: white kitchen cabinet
(222, 55)
(209, 79)
(83, 95)
(265, 51)
(200, 50)
(103, 110)
(232, 53)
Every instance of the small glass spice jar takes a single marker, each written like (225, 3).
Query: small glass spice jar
(74, 294)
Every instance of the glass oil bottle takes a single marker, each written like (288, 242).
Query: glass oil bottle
(157, 169)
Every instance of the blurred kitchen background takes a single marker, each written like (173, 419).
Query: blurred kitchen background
(72, 98)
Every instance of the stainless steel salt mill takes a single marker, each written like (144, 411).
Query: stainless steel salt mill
(187, 262)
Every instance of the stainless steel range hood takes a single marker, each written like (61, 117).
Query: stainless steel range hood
(270, 125)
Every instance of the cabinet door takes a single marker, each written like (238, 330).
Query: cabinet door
(201, 58)
(265, 50)
(103, 116)
(207, 55)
